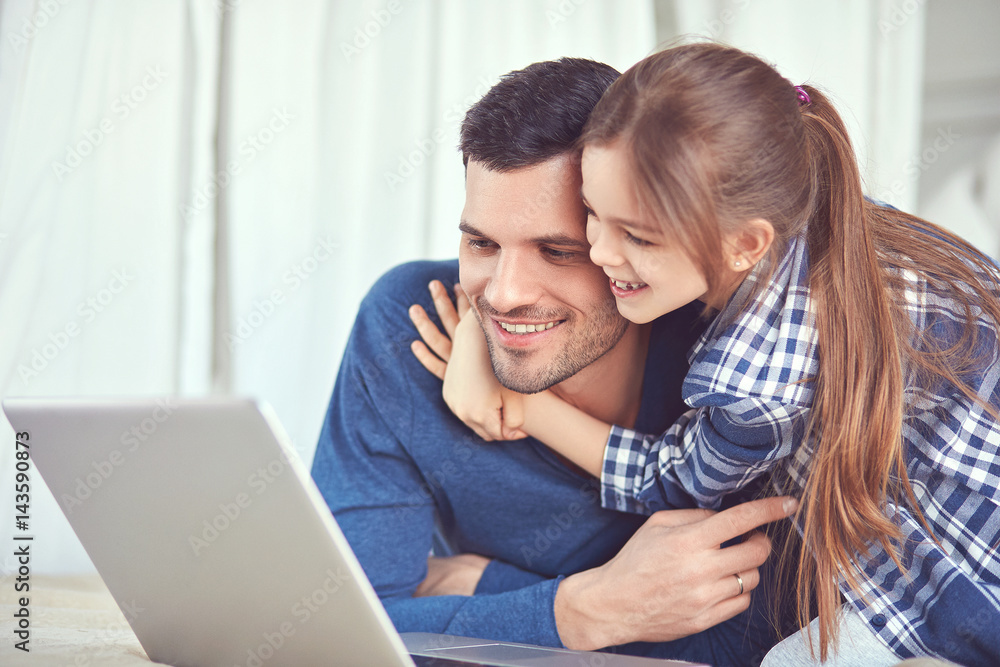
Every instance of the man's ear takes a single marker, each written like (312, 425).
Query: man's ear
(746, 246)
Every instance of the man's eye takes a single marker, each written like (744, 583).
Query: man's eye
(558, 254)
(480, 244)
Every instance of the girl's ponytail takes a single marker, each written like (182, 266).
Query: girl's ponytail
(858, 462)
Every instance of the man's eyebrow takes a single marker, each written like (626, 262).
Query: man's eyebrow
(562, 240)
(466, 228)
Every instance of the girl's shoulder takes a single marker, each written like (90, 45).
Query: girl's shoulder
(764, 350)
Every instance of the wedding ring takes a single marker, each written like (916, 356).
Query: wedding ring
(739, 580)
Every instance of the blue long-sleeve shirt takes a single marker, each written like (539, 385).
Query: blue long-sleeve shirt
(395, 465)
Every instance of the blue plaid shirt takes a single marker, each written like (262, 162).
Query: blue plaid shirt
(750, 397)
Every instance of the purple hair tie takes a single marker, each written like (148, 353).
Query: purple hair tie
(803, 96)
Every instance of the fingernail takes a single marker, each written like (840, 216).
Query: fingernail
(433, 286)
(790, 505)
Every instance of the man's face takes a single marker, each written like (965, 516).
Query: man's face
(546, 310)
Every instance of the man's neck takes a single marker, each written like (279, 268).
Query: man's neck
(610, 389)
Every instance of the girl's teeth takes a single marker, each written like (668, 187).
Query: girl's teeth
(628, 286)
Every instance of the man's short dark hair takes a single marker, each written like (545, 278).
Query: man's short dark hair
(534, 114)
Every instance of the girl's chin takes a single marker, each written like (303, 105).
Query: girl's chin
(636, 315)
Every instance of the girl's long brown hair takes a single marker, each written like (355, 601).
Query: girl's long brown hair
(716, 137)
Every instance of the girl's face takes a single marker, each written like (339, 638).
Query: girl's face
(649, 275)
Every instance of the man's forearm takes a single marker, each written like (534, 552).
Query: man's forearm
(577, 614)
(523, 616)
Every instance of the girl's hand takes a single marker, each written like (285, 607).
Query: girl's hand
(462, 360)
(473, 392)
(438, 343)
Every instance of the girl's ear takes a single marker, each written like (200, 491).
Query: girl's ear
(748, 244)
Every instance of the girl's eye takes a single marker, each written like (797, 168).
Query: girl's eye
(635, 240)
(589, 211)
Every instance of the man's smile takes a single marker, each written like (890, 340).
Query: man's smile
(510, 327)
(523, 334)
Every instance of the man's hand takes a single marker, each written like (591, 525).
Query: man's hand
(671, 579)
(452, 575)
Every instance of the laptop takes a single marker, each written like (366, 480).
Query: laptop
(215, 542)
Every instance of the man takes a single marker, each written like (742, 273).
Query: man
(540, 562)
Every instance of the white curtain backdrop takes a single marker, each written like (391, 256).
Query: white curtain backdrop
(108, 113)
(195, 196)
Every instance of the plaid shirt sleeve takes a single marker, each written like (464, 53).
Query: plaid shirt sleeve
(709, 452)
(944, 604)
(947, 602)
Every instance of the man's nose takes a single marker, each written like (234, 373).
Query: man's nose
(514, 283)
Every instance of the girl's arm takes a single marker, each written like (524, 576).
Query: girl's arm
(567, 430)
(710, 451)
(474, 395)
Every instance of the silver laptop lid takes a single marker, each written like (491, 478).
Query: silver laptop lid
(208, 531)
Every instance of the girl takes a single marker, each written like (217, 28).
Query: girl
(851, 354)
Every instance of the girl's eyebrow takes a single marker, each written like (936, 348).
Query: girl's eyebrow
(637, 225)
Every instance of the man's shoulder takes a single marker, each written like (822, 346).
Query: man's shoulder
(383, 326)
(407, 283)
(680, 328)
(378, 350)
(672, 335)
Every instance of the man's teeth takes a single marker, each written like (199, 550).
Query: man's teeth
(526, 328)
(628, 286)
